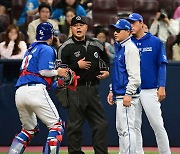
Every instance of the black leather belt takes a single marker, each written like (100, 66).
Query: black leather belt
(87, 83)
(35, 84)
(31, 84)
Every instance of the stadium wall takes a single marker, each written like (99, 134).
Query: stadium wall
(10, 124)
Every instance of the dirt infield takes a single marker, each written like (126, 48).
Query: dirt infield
(39, 148)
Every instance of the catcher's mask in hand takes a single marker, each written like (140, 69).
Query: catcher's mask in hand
(70, 81)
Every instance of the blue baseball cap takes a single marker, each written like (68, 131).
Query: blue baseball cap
(122, 24)
(135, 17)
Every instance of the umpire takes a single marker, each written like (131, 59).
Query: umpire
(82, 55)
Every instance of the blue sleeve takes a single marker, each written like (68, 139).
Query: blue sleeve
(162, 75)
(162, 54)
(47, 58)
(80, 11)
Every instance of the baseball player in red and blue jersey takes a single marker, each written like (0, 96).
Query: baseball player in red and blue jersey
(125, 85)
(153, 80)
(32, 98)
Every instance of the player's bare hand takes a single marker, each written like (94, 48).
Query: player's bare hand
(62, 72)
(103, 75)
(83, 64)
(110, 98)
(161, 93)
(127, 101)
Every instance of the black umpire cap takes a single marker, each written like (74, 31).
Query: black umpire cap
(78, 19)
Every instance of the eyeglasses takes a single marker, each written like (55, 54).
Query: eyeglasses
(132, 21)
(118, 30)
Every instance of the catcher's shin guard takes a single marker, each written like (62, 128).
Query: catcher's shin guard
(54, 139)
(17, 147)
(52, 147)
(21, 140)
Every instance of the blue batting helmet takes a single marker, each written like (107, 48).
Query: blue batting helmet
(44, 31)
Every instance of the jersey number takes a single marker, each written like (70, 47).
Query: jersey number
(25, 61)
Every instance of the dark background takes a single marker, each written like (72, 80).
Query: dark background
(10, 124)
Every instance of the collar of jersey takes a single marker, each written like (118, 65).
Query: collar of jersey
(79, 42)
(125, 41)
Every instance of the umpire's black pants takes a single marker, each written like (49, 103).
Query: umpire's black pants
(84, 103)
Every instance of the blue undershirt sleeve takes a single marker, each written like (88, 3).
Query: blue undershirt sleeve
(162, 75)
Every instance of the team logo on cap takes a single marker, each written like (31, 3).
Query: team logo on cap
(41, 33)
(117, 22)
(78, 18)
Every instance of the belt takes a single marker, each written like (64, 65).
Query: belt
(122, 96)
(87, 83)
(31, 84)
(35, 84)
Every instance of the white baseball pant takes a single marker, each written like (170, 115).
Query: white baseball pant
(125, 125)
(152, 107)
(32, 101)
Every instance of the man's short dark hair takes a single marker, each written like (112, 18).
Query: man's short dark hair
(44, 5)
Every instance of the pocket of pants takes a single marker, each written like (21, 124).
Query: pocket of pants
(62, 96)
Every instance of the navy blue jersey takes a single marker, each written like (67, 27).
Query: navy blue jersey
(152, 54)
(40, 57)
